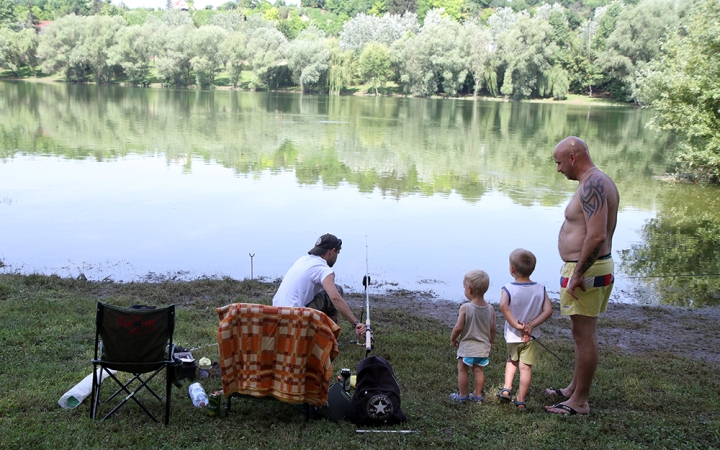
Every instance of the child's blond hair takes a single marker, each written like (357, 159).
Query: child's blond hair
(478, 280)
(523, 261)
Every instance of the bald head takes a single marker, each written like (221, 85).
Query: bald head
(572, 157)
(572, 144)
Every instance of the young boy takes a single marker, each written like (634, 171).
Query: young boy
(473, 335)
(525, 305)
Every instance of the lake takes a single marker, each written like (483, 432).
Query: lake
(125, 184)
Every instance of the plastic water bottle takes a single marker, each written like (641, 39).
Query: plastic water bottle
(198, 395)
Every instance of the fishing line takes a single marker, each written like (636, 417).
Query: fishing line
(679, 276)
(202, 346)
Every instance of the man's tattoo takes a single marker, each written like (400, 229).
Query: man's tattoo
(590, 260)
(592, 196)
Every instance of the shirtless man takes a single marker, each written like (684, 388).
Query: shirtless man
(585, 244)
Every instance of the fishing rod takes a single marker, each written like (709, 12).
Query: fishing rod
(366, 283)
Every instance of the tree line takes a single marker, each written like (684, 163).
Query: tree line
(540, 52)
(647, 52)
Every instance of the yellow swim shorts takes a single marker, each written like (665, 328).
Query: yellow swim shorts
(599, 280)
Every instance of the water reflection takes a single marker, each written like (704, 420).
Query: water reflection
(403, 146)
(680, 255)
(410, 158)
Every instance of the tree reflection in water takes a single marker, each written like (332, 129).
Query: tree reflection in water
(680, 257)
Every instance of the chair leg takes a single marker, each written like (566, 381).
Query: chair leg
(125, 390)
(131, 396)
(94, 393)
(168, 382)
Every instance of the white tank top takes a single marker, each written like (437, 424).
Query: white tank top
(526, 301)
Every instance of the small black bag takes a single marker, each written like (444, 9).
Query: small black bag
(186, 368)
(377, 395)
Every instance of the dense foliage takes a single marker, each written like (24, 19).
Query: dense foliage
(662, 53)
(684, 87)
(426, 47)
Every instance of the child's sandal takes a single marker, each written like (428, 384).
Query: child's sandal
(459, 398)
(521, 406)
(503, 396)
(476, 398)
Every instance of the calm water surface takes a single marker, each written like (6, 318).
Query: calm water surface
(122, 183)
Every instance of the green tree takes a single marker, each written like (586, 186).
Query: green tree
(400, 7)
(266, 48)
(171, 18)
(133, 52)
(8, 16)
(18, 49)
(292, 25)
(374, 65)
(634, 43)
(342, 67)
(413, 58)
(60, 48)
(591, 41)
(308, 58)
(230, 21)
(479, 55)
(527, 51)
(452, 8)
(432, 60)
(365, 28)
(683, 86)
(77, 7)
(100, 37)
(234, 52)
(173, 61)
(206, 61)
(136, 16)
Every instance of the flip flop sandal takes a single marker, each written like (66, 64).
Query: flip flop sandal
(503, 396)
(458, 398)
(570, 411)
(557, 392)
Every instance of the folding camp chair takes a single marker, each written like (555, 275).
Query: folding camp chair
(136, 340)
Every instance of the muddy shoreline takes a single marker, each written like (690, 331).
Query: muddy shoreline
(627, 328)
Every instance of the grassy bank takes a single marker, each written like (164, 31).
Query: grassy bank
(654, 400)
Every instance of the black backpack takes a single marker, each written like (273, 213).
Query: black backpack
(377, 395)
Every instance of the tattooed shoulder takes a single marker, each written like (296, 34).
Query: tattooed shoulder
(592, 195)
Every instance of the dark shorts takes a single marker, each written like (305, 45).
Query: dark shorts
(322, 302)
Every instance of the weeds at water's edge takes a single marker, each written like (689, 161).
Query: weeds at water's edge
(47, 328)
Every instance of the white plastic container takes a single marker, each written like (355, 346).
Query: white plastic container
(198, 395)
(75, 396)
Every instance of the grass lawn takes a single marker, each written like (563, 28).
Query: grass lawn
(653, 400)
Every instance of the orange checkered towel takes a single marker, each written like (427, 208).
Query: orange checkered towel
(279, 351)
